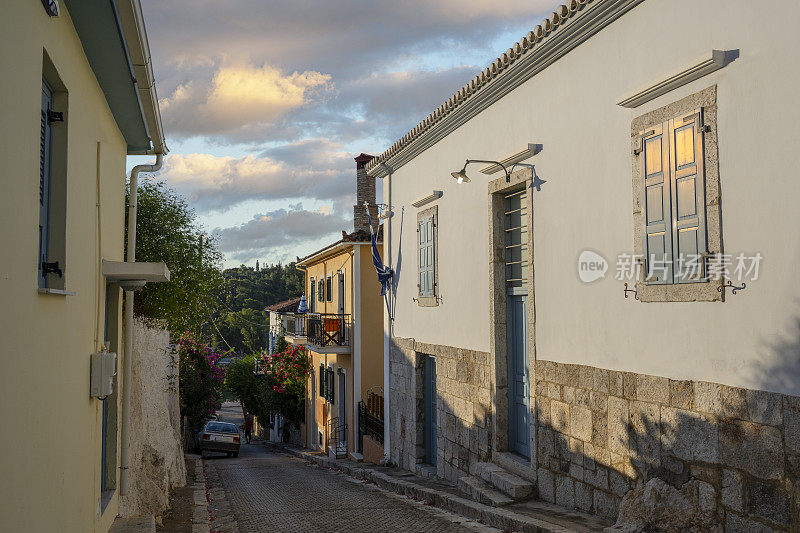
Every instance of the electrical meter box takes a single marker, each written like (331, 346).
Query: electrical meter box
(104, 368)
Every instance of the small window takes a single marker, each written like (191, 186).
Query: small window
(52, 180)
(329, 288)
(427, 247)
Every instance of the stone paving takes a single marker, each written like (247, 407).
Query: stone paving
(271, 491)
(265, 489)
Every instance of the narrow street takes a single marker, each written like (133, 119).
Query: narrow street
(271, 491)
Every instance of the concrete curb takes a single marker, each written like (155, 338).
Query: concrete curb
(491, 516)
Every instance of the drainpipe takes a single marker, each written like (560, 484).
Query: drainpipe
(388, 323)
(127, 371)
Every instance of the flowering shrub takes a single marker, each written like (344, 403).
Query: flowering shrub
(289, 369)
(280, 390)
(201, 380)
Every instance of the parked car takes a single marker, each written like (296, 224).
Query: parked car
(220, 437)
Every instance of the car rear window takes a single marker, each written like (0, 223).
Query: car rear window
(219, 427)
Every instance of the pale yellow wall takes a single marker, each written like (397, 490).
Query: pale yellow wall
(344, 361)
(372, 310)
(330, 266)
(51, 468)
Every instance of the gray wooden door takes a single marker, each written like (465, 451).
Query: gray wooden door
(430, 410)
(518, 378)
(517, 275)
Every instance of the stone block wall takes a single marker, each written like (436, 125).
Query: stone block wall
(603, 433)
(464, 406)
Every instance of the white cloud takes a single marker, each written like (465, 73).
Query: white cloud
(323, 171)
(276, 235)
(240, 96)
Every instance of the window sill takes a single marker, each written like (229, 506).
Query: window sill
(706, 291)
(60, 292)
(428, 301)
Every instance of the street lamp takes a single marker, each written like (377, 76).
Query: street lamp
(461, 175)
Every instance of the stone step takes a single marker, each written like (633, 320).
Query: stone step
(480, 491)
(509, 484)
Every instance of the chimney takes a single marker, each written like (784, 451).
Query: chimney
(365, 192)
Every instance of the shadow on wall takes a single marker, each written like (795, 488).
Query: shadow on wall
(654, 453)
(783, 373)
(668, 455)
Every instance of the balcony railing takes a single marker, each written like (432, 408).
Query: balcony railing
(294, 325)
(328, 329)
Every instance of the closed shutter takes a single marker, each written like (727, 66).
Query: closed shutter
(45, 149)
(321, 290)
(322, 380)
(656, 206)
(312, 302)
(329, 289)
(688, 196)
(426, 257)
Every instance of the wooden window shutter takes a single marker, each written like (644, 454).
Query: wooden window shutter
(329, 288)
(688, 197)
(312, 301)
(426, 257)
(322, 380)
(45, 149)
(656, 208)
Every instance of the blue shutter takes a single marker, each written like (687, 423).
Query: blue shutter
(656, 207)
(45, 149)
(688, 196)
(426, 257)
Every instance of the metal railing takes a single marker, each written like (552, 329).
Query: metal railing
(370, 419)
(293, 324)
(328, 329)
(337, 437)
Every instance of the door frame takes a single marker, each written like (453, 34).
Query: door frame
(431, 402)
(341, 378)
(498, 301)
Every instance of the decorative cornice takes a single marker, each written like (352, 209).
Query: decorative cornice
(529, 151)
(706, 65)
(570, 25)
(434, 195)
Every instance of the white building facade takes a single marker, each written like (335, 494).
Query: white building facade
(661, 134)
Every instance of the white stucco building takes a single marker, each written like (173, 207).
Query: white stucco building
(661, 134)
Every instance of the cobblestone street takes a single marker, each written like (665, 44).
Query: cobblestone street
(266, 490)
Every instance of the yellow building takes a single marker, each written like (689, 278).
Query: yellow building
(342, 331)
(77, 98)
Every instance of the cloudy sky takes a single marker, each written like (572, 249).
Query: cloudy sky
(265, 102)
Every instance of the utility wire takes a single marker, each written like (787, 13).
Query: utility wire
(218, 332)
(240, 317)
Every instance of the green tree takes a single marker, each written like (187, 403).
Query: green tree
(167, 230)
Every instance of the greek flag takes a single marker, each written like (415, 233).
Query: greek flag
(385, 273)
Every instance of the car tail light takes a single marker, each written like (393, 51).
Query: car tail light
(206, 436)
(236, 439)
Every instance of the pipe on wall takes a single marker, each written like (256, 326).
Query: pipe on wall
(125, 443)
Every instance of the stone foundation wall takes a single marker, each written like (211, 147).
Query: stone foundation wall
(464, 406)
(731, 455)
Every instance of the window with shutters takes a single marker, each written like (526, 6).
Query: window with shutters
(321, 290)
(676, 199)
(312, 301)
(51, 187)
(427, 260)
(329, 288)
